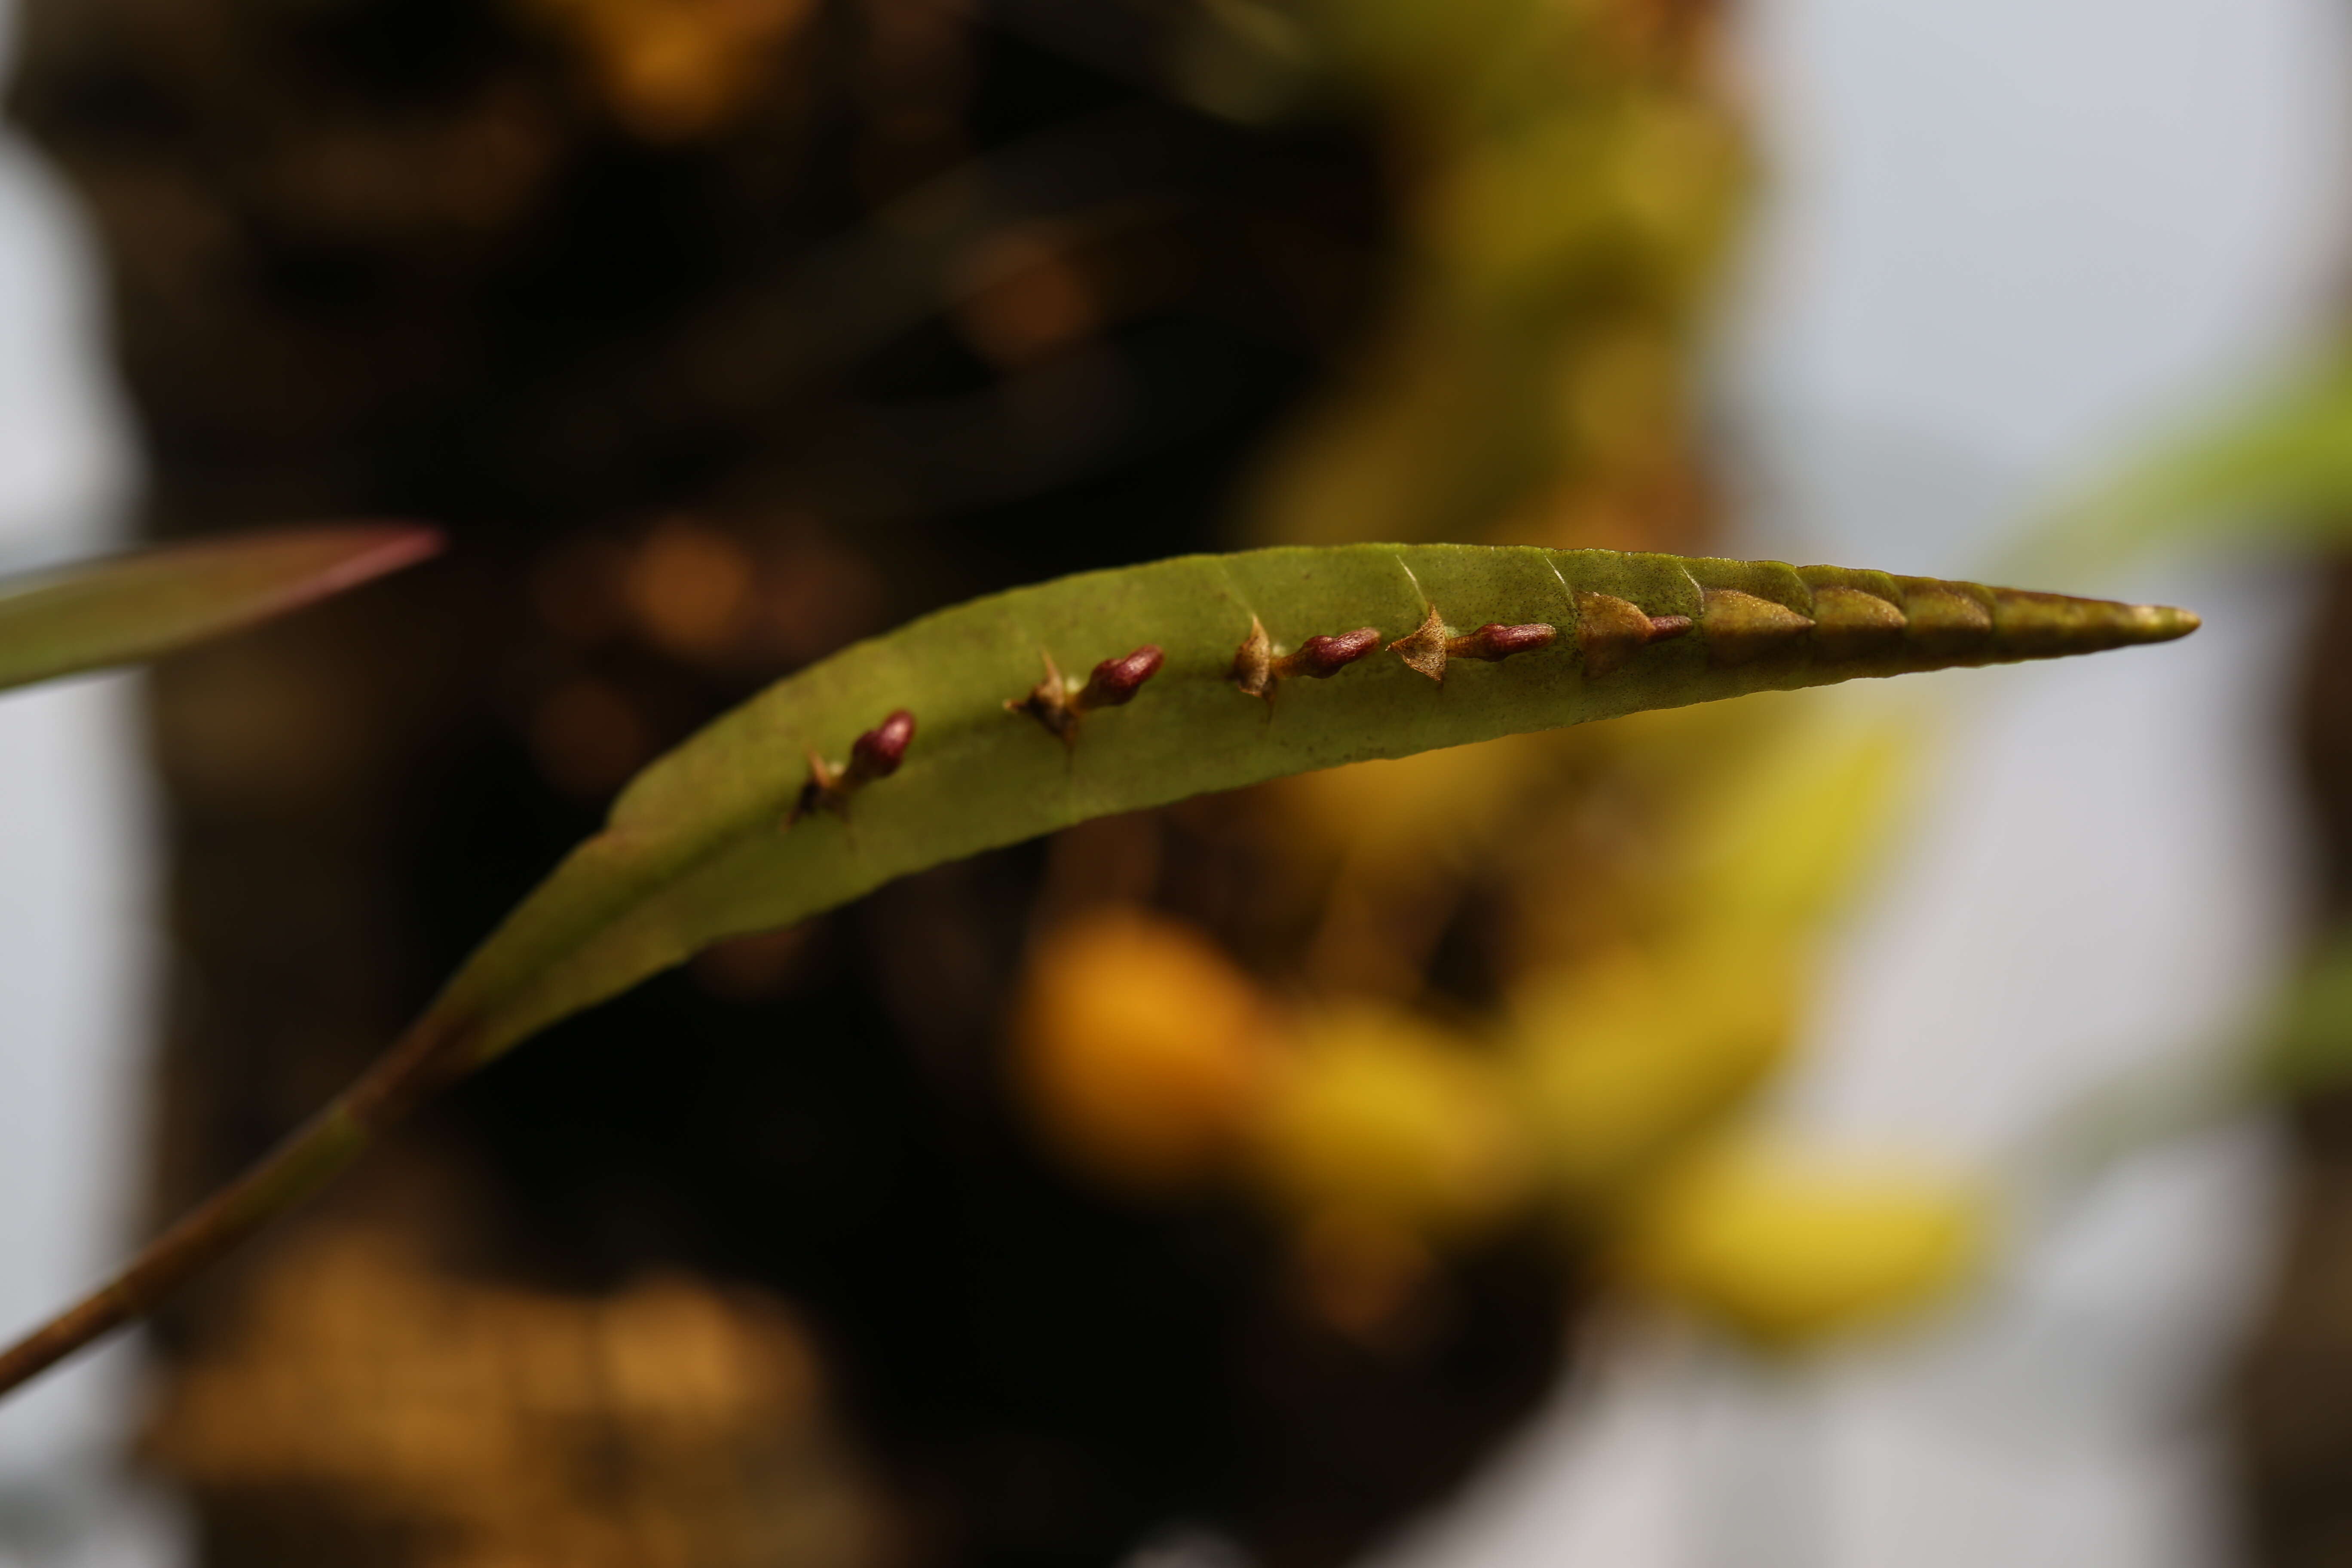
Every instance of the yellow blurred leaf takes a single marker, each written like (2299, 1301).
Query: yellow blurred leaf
(1789, 834)
(1140, 1047)
(1625, 1057)
(1786, 1247)
(1381, 1115)
(1407, 806)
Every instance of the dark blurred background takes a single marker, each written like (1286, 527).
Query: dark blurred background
(718, 332)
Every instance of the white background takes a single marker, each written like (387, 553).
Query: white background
(77, 942)
(2007, 240)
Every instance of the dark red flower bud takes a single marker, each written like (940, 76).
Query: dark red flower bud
(876, 754)
(1493, 641)
(1324, 656)
(1117, 681)
(1665, 627)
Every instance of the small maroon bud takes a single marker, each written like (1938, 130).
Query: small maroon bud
(1664, 628)
(1324, 656)
(1493, 641)
(1116, 681)
(876, 754)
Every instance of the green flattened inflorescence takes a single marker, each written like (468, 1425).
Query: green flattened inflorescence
(693, 854)
(937, 740)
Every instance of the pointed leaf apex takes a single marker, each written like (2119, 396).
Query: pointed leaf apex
(132, 607)
(2040, 625)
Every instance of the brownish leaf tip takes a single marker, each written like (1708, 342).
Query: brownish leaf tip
(2029, 625)
(382, 547)
(334, 557)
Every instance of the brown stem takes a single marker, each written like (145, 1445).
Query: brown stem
(427, 1056)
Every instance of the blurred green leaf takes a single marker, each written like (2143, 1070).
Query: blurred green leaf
(2309, 1046)
(2277, 471)
(134, 608)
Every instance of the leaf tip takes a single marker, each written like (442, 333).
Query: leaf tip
(372, 550)
(2041, 625)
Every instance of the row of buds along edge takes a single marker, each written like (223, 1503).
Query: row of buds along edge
(1864, 619)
